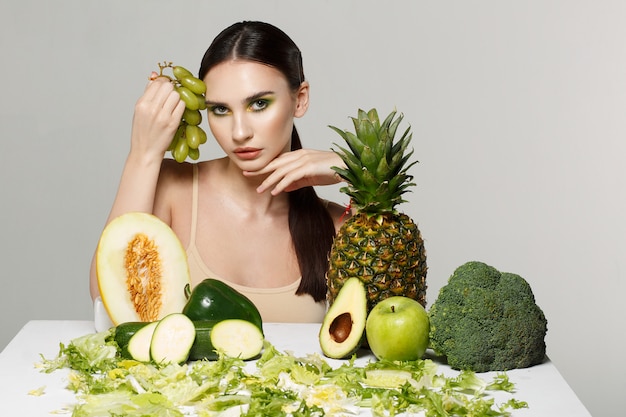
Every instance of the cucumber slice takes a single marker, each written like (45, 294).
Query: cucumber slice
(139, 343)
(172, 339)
(237, 338)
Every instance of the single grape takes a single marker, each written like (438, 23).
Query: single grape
(192, 117)
(192, 133)
(203, 137)
(190, 99)
(201, 101)
(181, 150)
(180, 132)
(194, 84)
(194, 154)
(180, 72)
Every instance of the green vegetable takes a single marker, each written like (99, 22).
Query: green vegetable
(123, 333)
(125, 403)
(87, 354)
(485, 320)
(139, 344)
(171, 340)
(235, 338)
(281, 385)
(214, 300)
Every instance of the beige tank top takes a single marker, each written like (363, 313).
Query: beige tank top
(280, 304)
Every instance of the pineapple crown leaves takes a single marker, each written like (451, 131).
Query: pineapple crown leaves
(376, 167)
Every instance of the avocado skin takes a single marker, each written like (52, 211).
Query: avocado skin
(343, 328)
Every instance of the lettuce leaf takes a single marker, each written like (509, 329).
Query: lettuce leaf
(278, 384)
(90, 353)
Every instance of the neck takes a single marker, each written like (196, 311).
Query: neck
(243, 192)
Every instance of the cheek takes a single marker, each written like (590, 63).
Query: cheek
(280, 126)
(218, 129)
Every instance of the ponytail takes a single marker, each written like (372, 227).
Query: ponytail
(312, 233)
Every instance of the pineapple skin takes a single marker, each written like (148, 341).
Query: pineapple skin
(385, 251)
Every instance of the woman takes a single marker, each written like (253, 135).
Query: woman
(252, 218)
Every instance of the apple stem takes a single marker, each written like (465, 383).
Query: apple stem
(393, 309)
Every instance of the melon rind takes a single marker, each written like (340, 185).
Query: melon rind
(111, 273)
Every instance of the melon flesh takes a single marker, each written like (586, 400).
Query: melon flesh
(142, 269)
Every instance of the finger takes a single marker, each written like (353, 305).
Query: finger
(153, 84)
(180, 108)
(291, 183)
(172, 102)
(289, 180)
(281, 175)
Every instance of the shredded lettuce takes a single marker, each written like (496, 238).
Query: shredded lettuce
(278, 384)
(91, 353)
(126, 404)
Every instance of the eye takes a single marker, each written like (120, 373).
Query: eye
(258, 105)
(219, 110)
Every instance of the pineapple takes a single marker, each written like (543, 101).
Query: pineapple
(378, 245)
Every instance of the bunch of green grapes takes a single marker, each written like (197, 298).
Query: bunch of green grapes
(189, 135)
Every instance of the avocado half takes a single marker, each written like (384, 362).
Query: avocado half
(342, 330)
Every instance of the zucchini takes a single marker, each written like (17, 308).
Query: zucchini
(237, 338)
(139, 344)
(123, 333)
(203, 348)
(173, 337)
(234, 337)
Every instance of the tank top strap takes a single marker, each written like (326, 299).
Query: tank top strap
(194, 206)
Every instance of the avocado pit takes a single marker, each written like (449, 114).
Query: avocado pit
(341, 327)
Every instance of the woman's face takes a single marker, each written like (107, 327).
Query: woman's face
(250, 111)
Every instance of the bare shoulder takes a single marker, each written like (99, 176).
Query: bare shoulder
(174, 172)
(176, 178)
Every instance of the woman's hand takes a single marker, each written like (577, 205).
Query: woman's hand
(297, 169)
(157, 116)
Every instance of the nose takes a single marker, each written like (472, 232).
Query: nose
(242, 130)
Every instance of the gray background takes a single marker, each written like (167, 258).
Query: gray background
(517, 110)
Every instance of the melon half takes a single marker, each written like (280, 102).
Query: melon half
(142, 269)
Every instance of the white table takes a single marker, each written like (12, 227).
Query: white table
(541, 386)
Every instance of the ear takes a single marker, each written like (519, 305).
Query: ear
(302, 99)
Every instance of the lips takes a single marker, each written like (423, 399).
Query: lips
(247, 153)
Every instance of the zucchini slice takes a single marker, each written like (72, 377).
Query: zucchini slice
(237, 338)
(172, 339)
(124, 331)
(139, 343)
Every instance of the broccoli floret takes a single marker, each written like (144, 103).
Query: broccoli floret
(485, 320)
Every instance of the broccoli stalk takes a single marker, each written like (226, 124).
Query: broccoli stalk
(485, 320)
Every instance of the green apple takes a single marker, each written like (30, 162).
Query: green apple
(397, 329)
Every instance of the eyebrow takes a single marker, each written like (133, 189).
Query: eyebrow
(248, 99)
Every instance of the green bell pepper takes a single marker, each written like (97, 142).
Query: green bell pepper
(214, 300)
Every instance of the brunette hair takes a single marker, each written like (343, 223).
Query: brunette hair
(311, 226)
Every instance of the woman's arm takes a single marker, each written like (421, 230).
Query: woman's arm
(157, 115)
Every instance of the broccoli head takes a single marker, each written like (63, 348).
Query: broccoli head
(485, 320)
